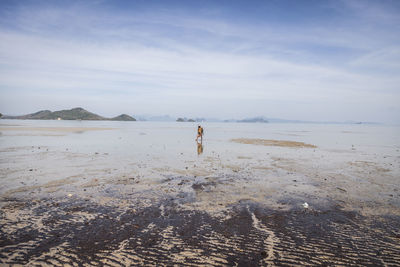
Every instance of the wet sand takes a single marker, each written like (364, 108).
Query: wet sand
(281, 143)
(241, 208)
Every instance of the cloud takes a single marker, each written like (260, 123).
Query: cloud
(170, 62)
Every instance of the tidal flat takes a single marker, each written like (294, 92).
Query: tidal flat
(84, 193)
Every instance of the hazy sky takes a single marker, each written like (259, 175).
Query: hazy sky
(309, 60)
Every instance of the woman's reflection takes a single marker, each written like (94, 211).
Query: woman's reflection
(199, 148)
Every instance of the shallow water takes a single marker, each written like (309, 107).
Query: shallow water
(169, 138)
(37, 152)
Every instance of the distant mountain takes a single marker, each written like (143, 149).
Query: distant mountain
(186, 120)
(71, 114)
(256, 119)
(123, 117)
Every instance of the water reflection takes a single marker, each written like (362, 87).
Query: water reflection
(199, 148)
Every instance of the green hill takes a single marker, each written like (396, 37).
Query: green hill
(71, 114)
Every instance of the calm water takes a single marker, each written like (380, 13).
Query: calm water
(170, 138)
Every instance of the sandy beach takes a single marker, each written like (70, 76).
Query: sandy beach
(118, 196)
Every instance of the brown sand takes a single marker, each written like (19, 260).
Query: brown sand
(264, 142)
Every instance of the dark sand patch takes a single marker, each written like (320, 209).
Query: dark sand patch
(265, 142)
(74, 231)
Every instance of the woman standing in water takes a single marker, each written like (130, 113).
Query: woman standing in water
(200, 132)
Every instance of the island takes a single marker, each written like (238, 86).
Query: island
(71, 114)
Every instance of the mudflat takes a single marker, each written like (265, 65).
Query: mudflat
(129, 197)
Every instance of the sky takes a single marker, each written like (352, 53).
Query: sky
(301, 59)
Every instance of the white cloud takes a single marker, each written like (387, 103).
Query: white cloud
(57, 53)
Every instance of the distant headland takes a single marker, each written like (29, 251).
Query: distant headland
(70, 114)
